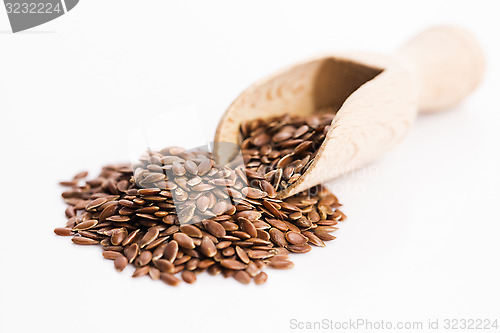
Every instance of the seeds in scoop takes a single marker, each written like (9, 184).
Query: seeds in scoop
(237, 231)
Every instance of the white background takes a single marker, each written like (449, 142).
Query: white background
(422, 236)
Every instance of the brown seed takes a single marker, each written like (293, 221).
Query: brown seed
(89, 224)
(178, 169)
(111, 255)
(204, 167)
(141, 271)
(169, 279)
(281, 264)
(232, 264)
(188, 277)
(300, 248)
(118, 236)
(144, 258)
(68, 183)
(228, 251)
(313, 239)
(323, 235)
(63, 231)
(112, 248)
(252, 269)
(130, 237)
(120, 263)
(95, 203)
(164, 265)
(259, 254)
(118, 218)
(219, 208)
(282, 136)
(292, 226)
(159, 251)
(149, 191)
(260, 278)
(248, 227)
(242, 255)
(268, 188)
(131, 252)
(84, 240)
(214, 270)
(171, 251)
(202, 203)
(157, 242)
(295, 238)
(150, 236)
(191, 167)
(207, 247)
(205, 263)
(253, 193)
(214, 228)
(154, 272)
(277, 237)
(110, 210)
(281, 225)
(184, 240)
(70, 212)
(249, 214)
(192, 264)
(186, 214)
(191, 231)
(242, 277)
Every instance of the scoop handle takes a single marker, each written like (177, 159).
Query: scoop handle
(447, 63)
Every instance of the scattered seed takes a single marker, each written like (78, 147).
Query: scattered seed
(188, 277)
(242, 277)
(260, 278)
(63, 231)
(169, 279)
(84, 240)
(120, 263)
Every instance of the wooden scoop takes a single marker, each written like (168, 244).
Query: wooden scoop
(377, 97)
